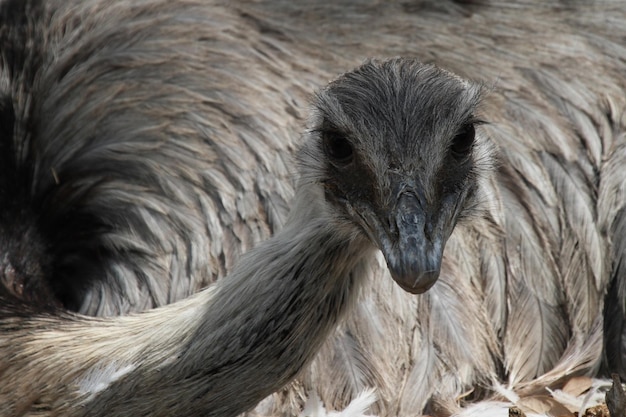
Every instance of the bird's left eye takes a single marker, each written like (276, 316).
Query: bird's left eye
(337, 148)
(463, 141)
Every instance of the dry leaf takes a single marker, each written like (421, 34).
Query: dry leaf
(577, 385)
(542, 404)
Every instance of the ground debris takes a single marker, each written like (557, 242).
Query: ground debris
(598, 397)
(516, 412)
(596, 411)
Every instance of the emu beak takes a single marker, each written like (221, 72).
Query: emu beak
(415, 251)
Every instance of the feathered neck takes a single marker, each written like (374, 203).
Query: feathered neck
(215, 354)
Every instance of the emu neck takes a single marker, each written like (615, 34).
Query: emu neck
(263, 323)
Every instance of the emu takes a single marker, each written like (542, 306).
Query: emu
(147, 145)
(378, 140)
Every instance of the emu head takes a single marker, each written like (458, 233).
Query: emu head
(394, 147)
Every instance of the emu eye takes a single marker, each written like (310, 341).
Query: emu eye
(337, 148)
(463, 141)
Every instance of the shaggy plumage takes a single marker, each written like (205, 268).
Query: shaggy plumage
(210, 97)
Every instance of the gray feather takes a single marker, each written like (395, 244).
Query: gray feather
(165, 151)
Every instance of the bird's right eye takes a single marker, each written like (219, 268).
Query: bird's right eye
(337, 148)
(463, 141)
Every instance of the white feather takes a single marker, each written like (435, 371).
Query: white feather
(357, 407)
(99, 377)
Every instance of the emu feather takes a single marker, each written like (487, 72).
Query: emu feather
(147, 145)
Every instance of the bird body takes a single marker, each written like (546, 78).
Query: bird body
(224, 349)
(190, 357)
(151, 146)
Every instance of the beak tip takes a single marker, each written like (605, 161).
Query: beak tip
(414, 252)
(416, 283)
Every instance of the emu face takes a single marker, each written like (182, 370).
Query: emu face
(395, 142)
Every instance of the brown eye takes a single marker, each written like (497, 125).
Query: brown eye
(463, 142)
(337, 148)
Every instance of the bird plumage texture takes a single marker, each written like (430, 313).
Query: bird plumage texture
(156, 142)
(223, 350)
